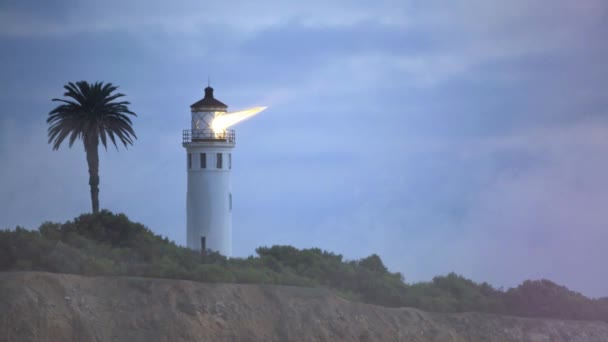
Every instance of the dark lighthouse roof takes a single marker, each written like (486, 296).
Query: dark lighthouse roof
(208, 102)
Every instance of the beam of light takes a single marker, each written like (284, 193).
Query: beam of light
(221, 122)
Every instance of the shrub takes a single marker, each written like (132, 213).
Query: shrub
(110, 244)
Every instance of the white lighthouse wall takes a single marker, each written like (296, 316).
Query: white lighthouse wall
(209, 212)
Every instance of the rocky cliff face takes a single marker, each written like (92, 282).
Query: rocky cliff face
(37, 306)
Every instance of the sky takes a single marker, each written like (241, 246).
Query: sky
(467, 136)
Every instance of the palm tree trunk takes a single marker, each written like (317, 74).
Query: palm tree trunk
(90, 148)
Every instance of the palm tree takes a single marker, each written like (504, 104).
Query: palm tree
(90, 115)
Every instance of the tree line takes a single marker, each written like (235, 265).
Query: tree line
(111, 244)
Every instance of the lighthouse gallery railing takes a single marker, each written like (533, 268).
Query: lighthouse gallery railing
(200, 135)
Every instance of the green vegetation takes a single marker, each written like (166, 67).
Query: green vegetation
(110, 244)
(89, 115)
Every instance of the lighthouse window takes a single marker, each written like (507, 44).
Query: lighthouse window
(203, 158)
(219, 160)
(189, 160)
(229, 161)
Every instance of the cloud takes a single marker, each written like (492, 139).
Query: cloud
(497, 209)
(36, 183)
(186, 16)
(463, 138)
(548, 221)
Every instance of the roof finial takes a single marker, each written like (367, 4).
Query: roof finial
(208, 81)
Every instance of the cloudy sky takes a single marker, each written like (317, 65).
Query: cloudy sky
(468, 137)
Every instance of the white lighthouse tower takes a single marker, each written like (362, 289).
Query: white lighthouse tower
(209, 161)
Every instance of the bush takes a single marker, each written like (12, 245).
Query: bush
(110, 244)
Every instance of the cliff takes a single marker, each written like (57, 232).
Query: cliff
(38, 306)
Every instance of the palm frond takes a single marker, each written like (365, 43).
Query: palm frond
(90, 111)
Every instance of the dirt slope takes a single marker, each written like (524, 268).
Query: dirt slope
(38, 306)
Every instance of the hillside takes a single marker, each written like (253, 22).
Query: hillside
(109, 244)
(40, 306)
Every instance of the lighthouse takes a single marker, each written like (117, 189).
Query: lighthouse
(209, 144)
